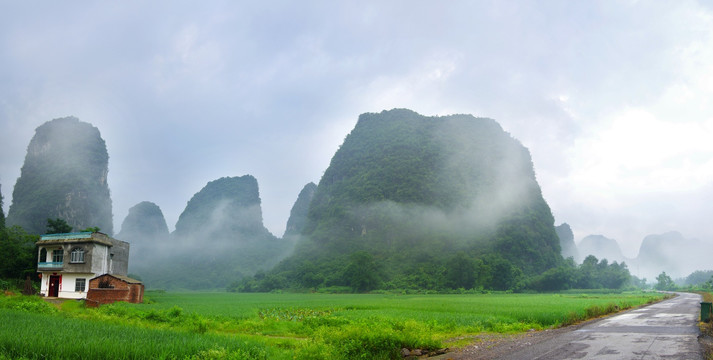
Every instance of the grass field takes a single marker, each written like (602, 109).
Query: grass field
(283, 326)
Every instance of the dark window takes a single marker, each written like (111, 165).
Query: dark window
(80, 285)
(43, 255)
(57, 256)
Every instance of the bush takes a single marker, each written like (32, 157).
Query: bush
(27, 303)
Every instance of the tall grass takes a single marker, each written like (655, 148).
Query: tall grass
(39, 336)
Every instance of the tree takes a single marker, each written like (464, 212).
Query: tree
(17, 253)
(460, 272)
(57, 226)
(362, 273)
(664, 282)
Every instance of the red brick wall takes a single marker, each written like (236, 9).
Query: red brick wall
(107, 296)
(122, 291)
(116, 283)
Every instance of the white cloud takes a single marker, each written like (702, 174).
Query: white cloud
(613, 99)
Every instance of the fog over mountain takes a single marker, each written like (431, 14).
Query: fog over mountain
(408, 192)
(671, 252)
(611, 98)
(299, 212)
(600, 246)
(566, 237)
(219, 237)
(64, 176)
(146, 230)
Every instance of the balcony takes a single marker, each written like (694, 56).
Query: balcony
(49, 265)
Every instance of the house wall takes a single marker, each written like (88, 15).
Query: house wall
(121, 291)
(95, 257)
(45, 283)
(92, 258)
(120, 260)
(67, 284)
(100, 259)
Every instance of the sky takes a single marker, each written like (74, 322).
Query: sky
(612, 98)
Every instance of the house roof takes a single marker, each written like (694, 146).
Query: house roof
(76, 237)
(120, 277)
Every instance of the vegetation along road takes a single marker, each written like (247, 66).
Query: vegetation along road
(665, 330)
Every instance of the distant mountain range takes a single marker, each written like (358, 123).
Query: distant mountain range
(408, 201)
(670, 252)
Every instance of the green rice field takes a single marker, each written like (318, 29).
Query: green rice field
(201, 325)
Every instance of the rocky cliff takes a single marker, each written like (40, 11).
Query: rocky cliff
(146, 230)
(64, 176)
(566, 237)
(298, 214)
(219, 237)
(412, 190)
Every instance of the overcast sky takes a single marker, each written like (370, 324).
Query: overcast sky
(613, 98)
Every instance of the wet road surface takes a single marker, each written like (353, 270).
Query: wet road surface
(666, 330)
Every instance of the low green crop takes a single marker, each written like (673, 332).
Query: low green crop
(283, 326)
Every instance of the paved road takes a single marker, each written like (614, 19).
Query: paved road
(666, 330)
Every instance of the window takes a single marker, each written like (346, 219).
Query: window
(43, 255)
(57, 256)
(80, 285)
(77, 255)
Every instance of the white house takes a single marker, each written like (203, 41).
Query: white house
(66, 262)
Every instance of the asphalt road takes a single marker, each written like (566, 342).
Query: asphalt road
(666, 330)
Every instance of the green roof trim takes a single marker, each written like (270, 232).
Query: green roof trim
(74, 235)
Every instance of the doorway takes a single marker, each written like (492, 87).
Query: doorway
(54, 286)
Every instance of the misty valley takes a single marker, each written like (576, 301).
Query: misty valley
(437, 222)
(408, 202)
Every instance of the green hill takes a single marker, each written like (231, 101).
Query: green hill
(146, 230)
(219, 237)
(64, 176)
(299, 212)
(411, 201)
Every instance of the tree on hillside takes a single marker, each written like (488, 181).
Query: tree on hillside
(664, 282)
(460, 272)
(17, 253)
(362, 273)
(698, 277)
(57, 226)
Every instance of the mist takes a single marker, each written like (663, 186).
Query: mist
(610, 98)
(669, 252)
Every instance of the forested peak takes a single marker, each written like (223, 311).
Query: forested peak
(58, 135)
(228, 197)
(243, 189)
(566, 236)
(443, 161)
(219, 237)
(661, 245)
(64, 176)
(145, 220)
(600, 246)
(564, 231)
(405, 188)
(298, 214)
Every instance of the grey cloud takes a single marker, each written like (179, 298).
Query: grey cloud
(185, 94)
